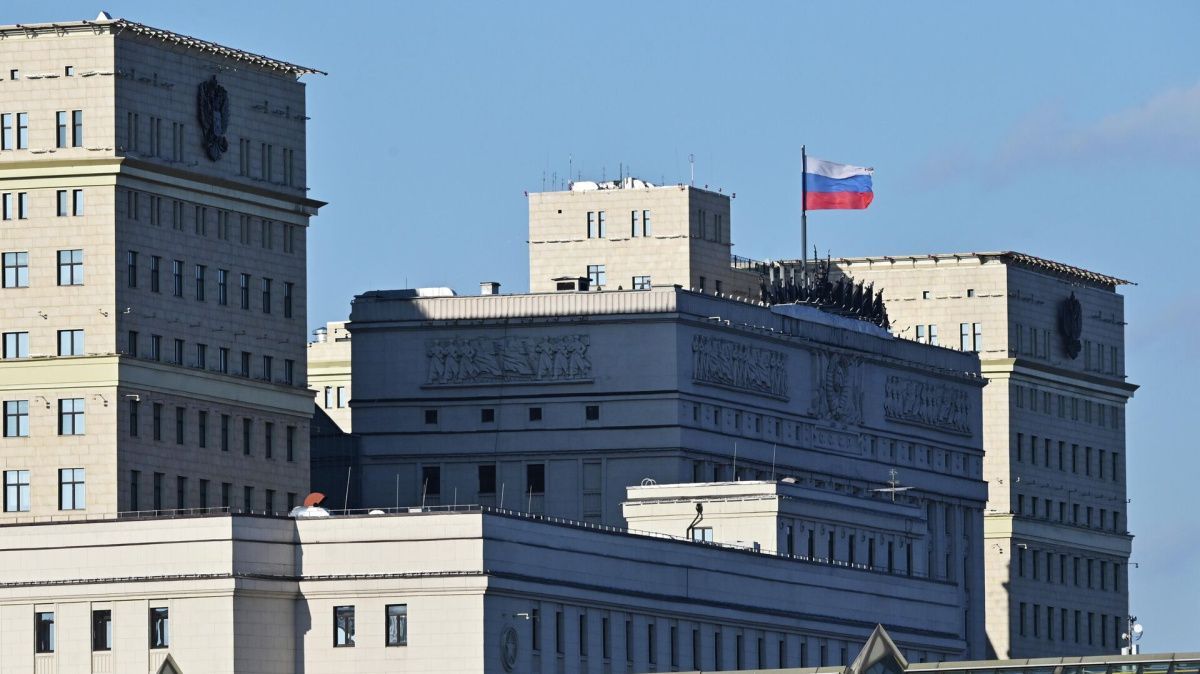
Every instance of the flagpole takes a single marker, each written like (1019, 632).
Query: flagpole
(803, 215)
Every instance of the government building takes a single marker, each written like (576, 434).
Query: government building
(154, 211)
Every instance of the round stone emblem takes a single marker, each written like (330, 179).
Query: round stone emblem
(508, 648)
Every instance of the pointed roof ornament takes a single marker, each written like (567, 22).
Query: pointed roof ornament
(103, 16)
(879, 655)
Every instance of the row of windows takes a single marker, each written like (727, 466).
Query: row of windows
(342, 400)
(182, 212)
(1084, 572)
(16, 204)
(1055, 626)
(1043, 401)
(1105, 465)
(1078, 515)
(925, 294)
(16, 344)
(199, 360)
(16, 268)
(1033, 341)
(46, 638)
(72, 491)
(970, 335)
(159, 499)
(14, 131)
(535, 480)
(395, 625)
(639, 224)
(487, 415)
(225, 429)
(716, 230)
(200, 283)
(598, 277)
(70, 417)
(68, 71)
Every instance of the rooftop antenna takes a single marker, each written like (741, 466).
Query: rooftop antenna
(424, 490)
(397, 491)
(346, 496)
(735, 477)
(570, 165)
(774, 446)
(502, 496)
(894, 488)
(692, 165)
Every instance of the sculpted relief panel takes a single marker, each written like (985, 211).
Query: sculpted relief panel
(488, 360)
(721, 362)
(837, 389)
(938, 406)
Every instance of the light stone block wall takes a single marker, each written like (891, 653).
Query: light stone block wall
(329, 368)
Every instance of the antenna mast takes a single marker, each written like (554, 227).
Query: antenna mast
(692, 166)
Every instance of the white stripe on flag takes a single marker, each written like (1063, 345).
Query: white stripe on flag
(835, 171)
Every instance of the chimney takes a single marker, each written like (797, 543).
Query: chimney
(489, 288)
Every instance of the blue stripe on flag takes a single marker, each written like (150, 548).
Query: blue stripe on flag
(818, 183)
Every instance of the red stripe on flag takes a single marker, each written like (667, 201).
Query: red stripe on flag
(816, 201)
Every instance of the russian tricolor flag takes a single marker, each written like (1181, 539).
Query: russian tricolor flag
(828, 185)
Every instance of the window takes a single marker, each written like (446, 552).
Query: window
(487, 415)
(535, 414)
(431, 480)
(16, 345)
(43, 622)
(155, 266)
(177, 353)
(964, 336)
(202, 429)
(248, 498)
(933, 335)
(702, 534)
(155, 347)
(641, 282)
(596, 275)
(77, 202)
(156, 420)
(431, 416)
(16, 419)
(245, 364)
(223, 287)
(6, 206)
(70, 342)
(160, 627)
(71, 491)
(289, 371)
(180, 412)
(22, 130)
(288, 295)
(76, 128)
(63, 201)
(535, 478)
(396, 624)
(102, 630)
(635, 229)
(645, 223)
(341, 396)
(70, 267)
(16, 491)
(487, 478)
(343, 626)
(290, 444)
(131, 265)
(201, 356)
(591, 412)
(223, 360)
(268, 367)
(180, 492)
(247, 427)
(266, 295)
(6, 131)
(224, 432)
(328, 397)
(268, 440)
(200, 269)
(269, 503)
(245, 290)
(60, 136)
(226, 494)
(70, 416)
(559, 636)
(16, 270)
(177, 278)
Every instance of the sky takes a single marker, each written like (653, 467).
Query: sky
(1068, 130)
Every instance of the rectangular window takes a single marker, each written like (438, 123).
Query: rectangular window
(487, 415)
(431, 480)
(63, 204)
(200, 269)
(60, 122)
(266, 295)
(431, 417)
(223, 360)
(248, 498)
(16, 419)
(180, 412)
(535, 414)
(290, 443)
(224, 432)
(180, 492)
(269, 503)
(131, 343)
(16, 270)
(245, 364)
(70, 267)
(6, 131)
(596, 275)
(43, 622)
(102, 630)
(646, 223)
(535, 478)
(226, 494)
(177, 352)
(156, 421)
(201, 356)
(77, 128)
(289, 371)
(155, 347)
(288, 295)
(591, 225)
(223, 287)
(200, 220)
(71, 493)
(591, 412)
(247, 427)
(131, 265)
(487, 478)
(641, 282)
(70, 342)
(155, 267)
(343, 626)
(396, 624)
(160, 627)
(70, 416)
(341, 396)
(964, 336)
(268, 439)
(22, 130)
(76, 202)
(634, 224)
(202, 429)
(268, 367)
(244, 287)
(16, 491)
(16, 345)
(177, 278)
(6, 206)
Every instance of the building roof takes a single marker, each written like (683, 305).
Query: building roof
(1007, 257)
(118, 26)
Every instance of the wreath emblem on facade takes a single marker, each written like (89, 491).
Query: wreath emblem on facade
(509, 647)
(1070, 325)
(212, 108)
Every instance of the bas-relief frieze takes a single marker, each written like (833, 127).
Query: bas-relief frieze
(509, 360)
(837, 388)
(919, 403)
(721, 362)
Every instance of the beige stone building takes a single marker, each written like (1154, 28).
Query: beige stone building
(631, 235)
(1051, 342)
(154, 210)
(329, 373)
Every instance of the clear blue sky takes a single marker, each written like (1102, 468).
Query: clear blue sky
(1069, 130)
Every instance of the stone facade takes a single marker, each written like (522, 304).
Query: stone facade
(482, 592)
(1057, 545)
(112, 164)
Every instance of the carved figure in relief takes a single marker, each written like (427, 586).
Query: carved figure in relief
(485, 360)
(728, 363)
(927, 404)
(838, 388)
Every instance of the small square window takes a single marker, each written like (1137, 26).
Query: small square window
(970, 292)
(69, 71)
(924, 294)
(487, 415)
(431, 416)
(14, 74)
(592, 412)
(535, 414)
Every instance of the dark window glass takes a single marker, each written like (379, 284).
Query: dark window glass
(160, 628)
(343, 626)
(487, 479)
(102, 630)
(535, 478)
(396, 626)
